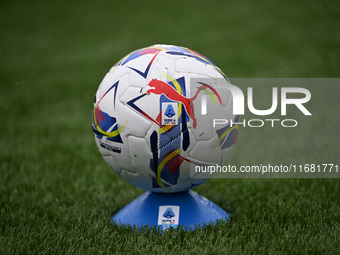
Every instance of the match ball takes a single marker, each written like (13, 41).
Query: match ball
(153, 117)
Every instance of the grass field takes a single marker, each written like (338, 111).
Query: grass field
(56, 192)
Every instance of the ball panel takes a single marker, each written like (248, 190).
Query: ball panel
(112, 163)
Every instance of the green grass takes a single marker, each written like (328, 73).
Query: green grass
(57, 194)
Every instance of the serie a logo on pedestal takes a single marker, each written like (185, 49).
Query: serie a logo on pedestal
(168, 216)
(169, 113)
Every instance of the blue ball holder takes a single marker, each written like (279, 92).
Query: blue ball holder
(164, 210)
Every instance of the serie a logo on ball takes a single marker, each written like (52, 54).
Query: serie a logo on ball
(147, 117)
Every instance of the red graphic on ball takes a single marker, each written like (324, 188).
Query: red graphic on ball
(160, 87)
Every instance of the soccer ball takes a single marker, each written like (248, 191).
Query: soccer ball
(149, 123)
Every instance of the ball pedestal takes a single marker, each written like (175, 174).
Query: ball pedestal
(164, 210)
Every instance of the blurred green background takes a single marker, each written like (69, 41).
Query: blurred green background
(56, 192)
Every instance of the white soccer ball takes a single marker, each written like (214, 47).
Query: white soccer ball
(149, 122)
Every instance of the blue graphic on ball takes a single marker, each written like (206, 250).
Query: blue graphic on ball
(169, 112)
